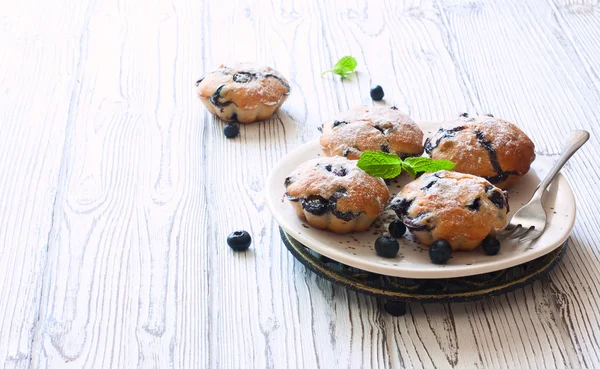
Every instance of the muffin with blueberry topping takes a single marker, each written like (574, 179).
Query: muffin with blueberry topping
(243, 92)
(332, 193)
(460, 208)
(489, 147)
(374, 129)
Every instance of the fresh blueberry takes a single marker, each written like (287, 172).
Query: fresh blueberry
(490, 245)
(387, 246)
(395, 308)
(440, 252)
(231, 130)
(377, 93)
(397, 229)
(239, 240)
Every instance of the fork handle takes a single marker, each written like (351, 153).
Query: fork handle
(575, 140)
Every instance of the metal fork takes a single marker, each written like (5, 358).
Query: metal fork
(529, 221)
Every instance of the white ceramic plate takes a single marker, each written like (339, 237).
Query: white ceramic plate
(357, 249)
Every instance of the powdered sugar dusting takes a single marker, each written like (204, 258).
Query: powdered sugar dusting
(501, 132)
(377, 128)
(247, 85)
(471, 142)
(450, 189)
(329, 176)
(453, 206)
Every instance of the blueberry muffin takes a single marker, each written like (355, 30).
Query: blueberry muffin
(485, 146)
(332, 193)
(243, 92)
(374, 129)
(459, 208)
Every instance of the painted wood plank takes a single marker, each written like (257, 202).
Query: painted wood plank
(111, 298)
(37, 80)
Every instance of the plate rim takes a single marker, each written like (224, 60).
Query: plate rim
(394, 271)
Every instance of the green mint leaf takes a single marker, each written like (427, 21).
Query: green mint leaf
(409, 169)
(421, 164)
(380, 164)
(344, 66)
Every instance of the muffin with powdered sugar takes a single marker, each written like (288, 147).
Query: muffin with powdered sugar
(243, 92)
(386, 129)
(489, 147)
(460, 208)
(332, 193)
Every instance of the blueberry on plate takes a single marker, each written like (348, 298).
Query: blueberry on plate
(377, 93)
(397, 229)
(239, 240)
(490, 245)
(231, 130)
(440, 252)
(386, 246)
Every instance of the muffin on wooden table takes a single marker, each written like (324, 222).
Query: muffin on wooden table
(243, 92)
(332, 193)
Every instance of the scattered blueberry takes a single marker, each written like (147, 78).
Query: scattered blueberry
(440, 252)
(239, 240)
(377, 93)
(397, 229)
(387, 246)
(490, 245)
(231, 130)
(395, 308)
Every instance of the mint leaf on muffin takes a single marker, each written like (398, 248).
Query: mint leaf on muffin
(344, 66)
(387, 165)
(380, 164)
(416, 165)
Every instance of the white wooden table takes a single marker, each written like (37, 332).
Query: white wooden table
(118, 189)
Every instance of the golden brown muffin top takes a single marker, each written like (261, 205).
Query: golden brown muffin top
(483, 145)
(244, 84)
(371, 128)
(340, 180)
(456, 205)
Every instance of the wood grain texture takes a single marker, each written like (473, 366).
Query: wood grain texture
(119, 189)
(37, 78)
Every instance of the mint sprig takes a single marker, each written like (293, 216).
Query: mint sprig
(344, 66)
(386, 165)
(422, 164)
(380, 164)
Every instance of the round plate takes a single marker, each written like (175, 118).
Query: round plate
(357, 249)
(469, 288)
